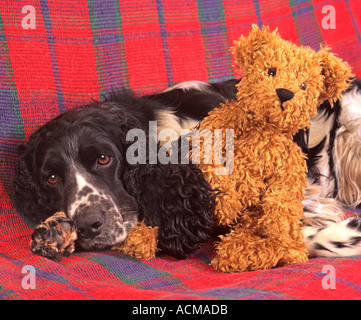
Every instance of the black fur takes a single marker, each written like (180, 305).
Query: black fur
(174, 197)
(194, 103)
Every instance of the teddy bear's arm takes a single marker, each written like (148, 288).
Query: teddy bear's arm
(238, 192)
(141, 242)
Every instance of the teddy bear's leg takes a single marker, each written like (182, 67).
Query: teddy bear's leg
(242, 250)
(282, 219)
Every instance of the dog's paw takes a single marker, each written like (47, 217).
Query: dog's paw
(54, 238)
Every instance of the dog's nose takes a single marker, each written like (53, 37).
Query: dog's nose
(89, 224)
(284, 94)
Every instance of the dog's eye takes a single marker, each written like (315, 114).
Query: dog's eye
(272, 72)
(53, 179)
(303, 86)
(103, 159)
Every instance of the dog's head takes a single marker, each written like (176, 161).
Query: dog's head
(75, 164)
(78, 163)
(282, 83)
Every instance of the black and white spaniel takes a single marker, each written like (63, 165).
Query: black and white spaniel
(77, 164)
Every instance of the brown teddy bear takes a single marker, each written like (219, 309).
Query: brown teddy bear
(261, 198)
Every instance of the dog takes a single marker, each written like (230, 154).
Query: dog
(181, 106)
(78, 164)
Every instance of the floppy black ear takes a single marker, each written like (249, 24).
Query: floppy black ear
(33, 204)
(174, 197)
(177, 199)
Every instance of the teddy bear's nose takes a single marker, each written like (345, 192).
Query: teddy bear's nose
(284, 94)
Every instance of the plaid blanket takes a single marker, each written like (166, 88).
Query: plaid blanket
(57, 54)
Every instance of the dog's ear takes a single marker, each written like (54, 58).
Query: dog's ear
(337, 75)
(177, 199)
(33, 204)
(246, 49)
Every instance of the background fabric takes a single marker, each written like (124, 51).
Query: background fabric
(82, 49)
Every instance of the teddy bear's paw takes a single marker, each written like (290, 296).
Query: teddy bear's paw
(141, 242)
(247, 261)
(54, 238)
(243, 251)
(294, 254)
(222, 263)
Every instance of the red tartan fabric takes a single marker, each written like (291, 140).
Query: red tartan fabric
(82, 49)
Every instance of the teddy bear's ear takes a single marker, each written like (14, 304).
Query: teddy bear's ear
(337, 75)
(246, 49)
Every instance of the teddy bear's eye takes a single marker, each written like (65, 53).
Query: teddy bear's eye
(303, 86)
(272, 72)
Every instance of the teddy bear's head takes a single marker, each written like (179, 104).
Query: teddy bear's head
(282, 83)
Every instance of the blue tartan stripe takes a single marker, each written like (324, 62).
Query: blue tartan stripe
(54, 63)
(308, 30)
(11, 124)
(353, 20)
(258, 12)
(108, 39)
(215, 39)
(134, 272)
(164, 36)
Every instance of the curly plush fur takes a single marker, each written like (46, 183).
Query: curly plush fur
(261, 199)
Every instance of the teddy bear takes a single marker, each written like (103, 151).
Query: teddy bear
(260, 202)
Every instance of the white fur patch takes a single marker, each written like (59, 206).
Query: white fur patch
(169, 123)
(320, 128)
(350, 106)
(81, 184)
(188, 85)
(336, 240)
(347, 149)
